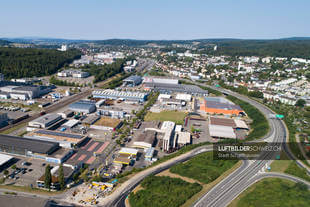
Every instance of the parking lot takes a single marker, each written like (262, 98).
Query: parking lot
(27, 171)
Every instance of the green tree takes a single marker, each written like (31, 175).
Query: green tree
(300, 103)
(48, 177)
(13, 167)
(61, 177)
(6, 172)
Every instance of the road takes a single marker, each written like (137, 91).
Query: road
(119, 195)
(52, 108)
(228, 189)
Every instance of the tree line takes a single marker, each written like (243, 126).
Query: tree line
(30, 62)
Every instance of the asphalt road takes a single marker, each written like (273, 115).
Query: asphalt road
(52, 108)
(228, 189)
(118, 197)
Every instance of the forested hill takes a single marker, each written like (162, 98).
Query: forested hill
(4, 42)
(29, 62)
(277, 48)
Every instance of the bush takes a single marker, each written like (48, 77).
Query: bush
(162, 191)
(203, 168)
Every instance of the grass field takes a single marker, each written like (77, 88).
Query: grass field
(107, 121)
(274, 192)
(175, 116)
(289, 167)
(203, 168)
(163, 191)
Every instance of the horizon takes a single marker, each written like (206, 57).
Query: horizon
(160, 20)
(82, 39)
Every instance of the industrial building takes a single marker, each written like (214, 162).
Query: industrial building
(66, 114)
(55, 184)
(222, 132)
(234, 123)
(23, 92)
(123, 95)
(217, 107)
(167, 88)
(145, 140)
(107, 123)
(28, 147)
(160, 80)
(73, 73)
(67, 140)
(83, 106)
(44, 121)
(133, 80)
(149, 153)
(128, 151)
(3, 119)
(112, 112)
(183, 97)
(5, 160)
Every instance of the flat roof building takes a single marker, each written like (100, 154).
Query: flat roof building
(173, 88)
(45, 121)
(133, 80)
(66, 140)
(128, 151)
(25, 146)
(83, 106)
(214, 107)
(222, 132)
(145, 140)
(125, 95)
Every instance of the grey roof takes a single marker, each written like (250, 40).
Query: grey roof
(54, 133)
(219, 105)
(133, 78)
(176, 88)
(82, 105)
(26, 88)
(36, 146)
(46, 118)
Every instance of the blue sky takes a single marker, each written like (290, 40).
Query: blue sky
(154, 19)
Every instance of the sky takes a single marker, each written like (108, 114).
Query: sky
(155, 19)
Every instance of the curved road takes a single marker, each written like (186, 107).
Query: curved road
(228, 189)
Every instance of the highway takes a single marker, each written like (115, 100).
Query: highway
(119, 195)
(225, 191)
(234, 184)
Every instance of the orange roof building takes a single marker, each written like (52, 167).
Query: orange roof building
(214, 107)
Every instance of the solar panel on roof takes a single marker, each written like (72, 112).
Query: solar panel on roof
(75, 136)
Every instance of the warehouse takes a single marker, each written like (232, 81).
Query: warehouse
(123, 159)
(234, 123)
(73, 73)
(107, 123)
(133, 80)
(45, 121)
(175, 88)
(128, 151)
(214, 107)
(149, 153)
(5, 161)
(83, 106)
(222, 132)
(67, 140)
(67, 173)
(182, 138)
(145, 140)
(163, 96)
(124, 95)
(71, 123)
(160, 80)
(25, 146)
(183, 97)
(66, 114)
